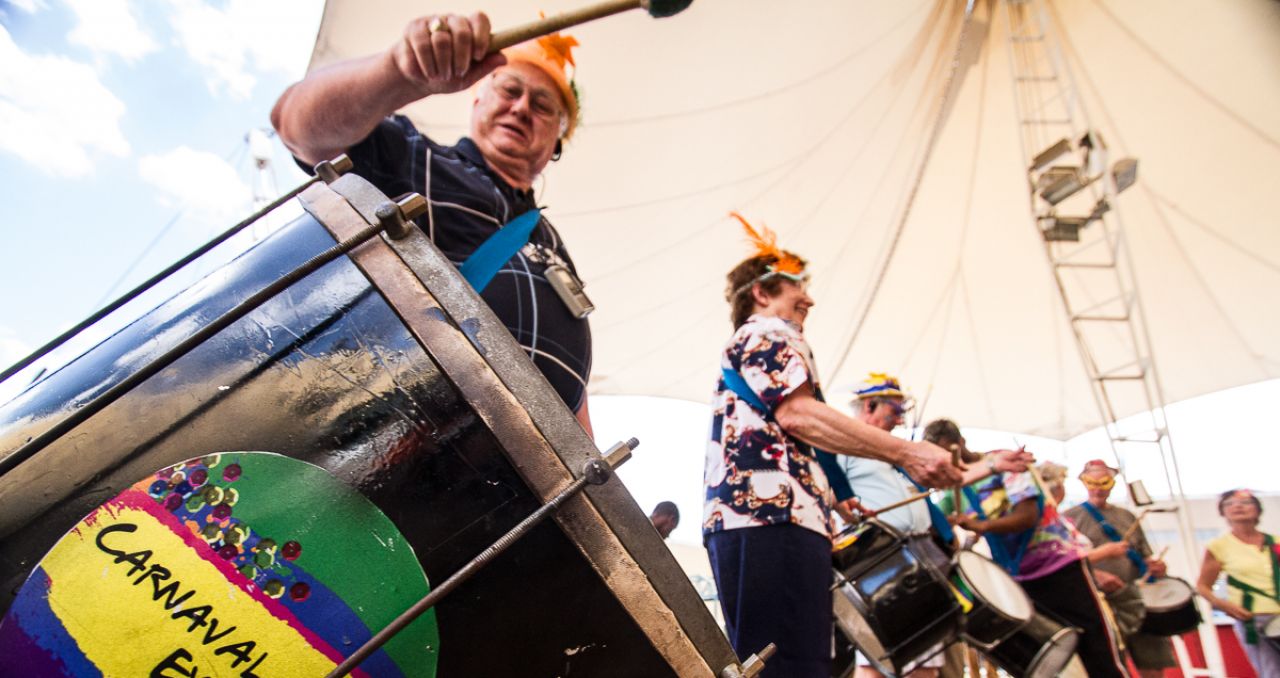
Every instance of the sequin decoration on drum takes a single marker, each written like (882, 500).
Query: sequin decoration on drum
(239, 564)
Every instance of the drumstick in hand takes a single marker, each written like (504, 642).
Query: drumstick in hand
(956, 460)
(1137, 522)
(896, 504)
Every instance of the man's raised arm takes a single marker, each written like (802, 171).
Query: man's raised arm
(335, 107)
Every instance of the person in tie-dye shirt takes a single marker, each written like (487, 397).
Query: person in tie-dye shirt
(1045, 553)
(767, 510)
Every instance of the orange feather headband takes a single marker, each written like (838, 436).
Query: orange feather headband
(766, 243)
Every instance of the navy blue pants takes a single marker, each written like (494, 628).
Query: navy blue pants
(775, 587)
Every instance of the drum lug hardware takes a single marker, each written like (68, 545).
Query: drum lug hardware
(330, 170)
(396, 217)
(753, 666)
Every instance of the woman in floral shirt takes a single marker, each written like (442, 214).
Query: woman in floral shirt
(767, 520)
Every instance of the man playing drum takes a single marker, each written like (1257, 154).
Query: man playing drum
(525, 105)
(766, 522)
(1105, 524)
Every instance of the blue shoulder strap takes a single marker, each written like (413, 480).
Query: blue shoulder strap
(936, 517)
(498, 248)
(836, 478)
(1114, 535)
(1011, 562)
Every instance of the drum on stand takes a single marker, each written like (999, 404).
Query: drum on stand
(384, 370)
(892, 597)
(1040, 649)
(998, 607)
(1171, 607)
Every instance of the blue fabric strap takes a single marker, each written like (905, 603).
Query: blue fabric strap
(497, 249)
(936, 517)
(1011, 562)
(1114, 535)
(836, 478)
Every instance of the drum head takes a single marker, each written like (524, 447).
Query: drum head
(992, 584)
(240, 558)
(1166, 594)
(1055, 654)
(1272, 629)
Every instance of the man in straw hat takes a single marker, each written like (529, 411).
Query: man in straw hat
(766, 521)
(1129, 560)
(525, 106)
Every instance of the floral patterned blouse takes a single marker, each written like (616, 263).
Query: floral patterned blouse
(755, 473)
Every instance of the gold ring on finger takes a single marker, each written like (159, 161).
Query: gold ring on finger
(438, 25)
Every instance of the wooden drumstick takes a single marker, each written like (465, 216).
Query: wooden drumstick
(1044, 489)
(956, 459)
(898, 504)
(1137, 522)
(546, 26)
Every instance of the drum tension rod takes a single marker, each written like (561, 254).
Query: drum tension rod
(753, 666)
(327, 171)
(182, 348)
(594, 472)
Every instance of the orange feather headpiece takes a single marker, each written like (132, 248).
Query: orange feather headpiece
(766, 244)
(553, 54)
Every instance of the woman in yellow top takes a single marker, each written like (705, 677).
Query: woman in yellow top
(1251, 561)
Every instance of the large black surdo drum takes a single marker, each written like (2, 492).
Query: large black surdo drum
(382, 384)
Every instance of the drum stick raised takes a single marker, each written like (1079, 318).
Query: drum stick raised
(1137, 522)
(536, 29)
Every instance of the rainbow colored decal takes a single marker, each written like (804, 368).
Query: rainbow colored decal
(240, 564)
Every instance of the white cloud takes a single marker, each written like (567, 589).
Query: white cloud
(28, 6)
(201, 183)
(53, 111)
(244, 38)
(12, 349)
(109, 27)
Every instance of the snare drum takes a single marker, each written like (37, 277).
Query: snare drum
(893, 598)
(999, 606)
(1040, 649)
(1171, 607)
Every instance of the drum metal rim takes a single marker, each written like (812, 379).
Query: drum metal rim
(1181, 584)
(1049, 645)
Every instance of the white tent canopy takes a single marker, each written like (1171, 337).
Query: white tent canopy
(815, 118)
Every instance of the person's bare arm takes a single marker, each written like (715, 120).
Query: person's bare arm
(820, 425)
(336, 106)
(1210, 569)
(998, 461)
(1023, 517)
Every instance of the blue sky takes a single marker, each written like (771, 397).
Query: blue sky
(122, 141)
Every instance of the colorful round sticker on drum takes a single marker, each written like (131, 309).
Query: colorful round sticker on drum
(238, 564)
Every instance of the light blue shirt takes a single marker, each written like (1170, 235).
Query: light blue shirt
(877, 484)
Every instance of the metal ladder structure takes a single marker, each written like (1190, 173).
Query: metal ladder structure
(1072, 193)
